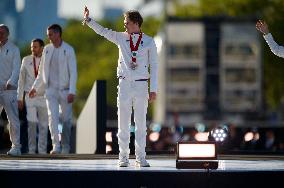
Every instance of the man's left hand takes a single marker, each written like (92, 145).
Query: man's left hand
(152, 96)
(70, 98)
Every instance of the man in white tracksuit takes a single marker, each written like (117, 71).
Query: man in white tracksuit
(58, 73)
(10, 62)
(36, 107)
(136, 52)
(275, 48)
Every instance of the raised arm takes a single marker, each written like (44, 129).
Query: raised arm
(105, 32)
(274, 47)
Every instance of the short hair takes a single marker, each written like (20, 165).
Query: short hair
(41, 43)
(56, 28)
(134, 16)
(5, 27)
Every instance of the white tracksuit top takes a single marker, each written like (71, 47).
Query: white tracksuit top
(10, 62)
(27, 77)
(274, 47)
(67, 68)
(146, 55)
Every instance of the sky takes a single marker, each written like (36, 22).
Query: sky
(74, 8)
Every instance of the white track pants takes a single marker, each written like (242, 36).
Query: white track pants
(37, 118)
(55, 99)
(132, 94)
(8, 101)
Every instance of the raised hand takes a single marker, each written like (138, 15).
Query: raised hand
(86, 12)
(86, 15)
(262, 27)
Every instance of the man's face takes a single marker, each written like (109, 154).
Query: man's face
(36, 48)
(52, 36)
(3, 35)
(129, 25)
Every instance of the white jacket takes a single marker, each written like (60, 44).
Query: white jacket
(147, 55)
(67, 68)
(10, 62)
(27, 78)
(274, 47)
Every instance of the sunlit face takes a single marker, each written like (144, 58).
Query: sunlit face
(130, 26)
(36, 49)
(3, 35)
(53, 36)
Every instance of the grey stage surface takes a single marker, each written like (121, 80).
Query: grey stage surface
(101, 171)
(165, 163)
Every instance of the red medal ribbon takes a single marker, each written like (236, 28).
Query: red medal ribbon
(35, 67)
(135, 48)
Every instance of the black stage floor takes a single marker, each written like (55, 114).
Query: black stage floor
(101, 171)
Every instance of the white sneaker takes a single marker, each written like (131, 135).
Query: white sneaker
(141, 163)
(123, 162)
(14, 152)
(55, 151)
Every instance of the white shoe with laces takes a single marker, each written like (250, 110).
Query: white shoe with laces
(141, 163)
(123, 162)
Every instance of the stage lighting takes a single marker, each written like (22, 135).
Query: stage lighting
(154, 136)
(196, 155)
(219, 134)
(155, 127)
(201, 136)
(108, 136)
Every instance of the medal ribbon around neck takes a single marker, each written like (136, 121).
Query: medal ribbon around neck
(134, 48)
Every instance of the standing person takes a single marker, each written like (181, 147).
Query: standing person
(10, 62)
(136, 52)
(58, 73)
(274, 47)
(36, 107)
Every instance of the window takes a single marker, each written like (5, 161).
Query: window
(185, 50)
(242, 100)
(185, 75)
(240, 75)
(239, 50)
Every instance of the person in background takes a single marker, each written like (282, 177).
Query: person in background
(58, 74)
(10, 62)
(36, 107)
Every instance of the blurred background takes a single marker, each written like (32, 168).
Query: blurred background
(215, 69)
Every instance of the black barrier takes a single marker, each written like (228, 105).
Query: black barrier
(101, 116)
